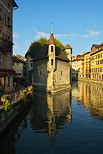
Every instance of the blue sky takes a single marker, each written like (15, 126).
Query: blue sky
(77, 22)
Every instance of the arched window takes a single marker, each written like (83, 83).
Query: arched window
(51, 48)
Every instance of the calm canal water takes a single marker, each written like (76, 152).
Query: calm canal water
(69, 122)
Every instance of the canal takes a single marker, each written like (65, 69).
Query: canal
(68, 122)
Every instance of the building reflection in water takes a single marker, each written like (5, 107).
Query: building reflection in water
(13, 134)
(91, 96)
(50, 112)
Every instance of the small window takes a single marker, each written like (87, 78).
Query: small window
(8, 5)
(51, 48)
(61, 73)
(40, 72)
(31, 64)
(8, 82)
(51, 61)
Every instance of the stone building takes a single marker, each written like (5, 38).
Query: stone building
(19, 65)
(51, 69)
(76, 66)
(68, 50)
(6, 43)
(29, 68)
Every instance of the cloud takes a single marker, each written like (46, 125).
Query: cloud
(47, 35)
(41, 34)
(15, 35)
(88, 34)
(91, 34)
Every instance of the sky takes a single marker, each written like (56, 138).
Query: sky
(77, 22)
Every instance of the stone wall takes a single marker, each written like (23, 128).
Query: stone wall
(17, 106)
(29, 69)
(62, 74)
(40, 73)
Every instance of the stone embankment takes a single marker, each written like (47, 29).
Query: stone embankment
(13, 104)
(91, 80)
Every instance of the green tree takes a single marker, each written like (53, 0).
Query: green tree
(34, 48)
(59, 44)
(37, 45)
(42, 41)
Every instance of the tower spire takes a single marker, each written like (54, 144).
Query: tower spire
(51, 29)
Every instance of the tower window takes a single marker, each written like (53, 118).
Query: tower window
(40, 72)
(51, 48)
(31, 64)
(61, 73)
(51, 61)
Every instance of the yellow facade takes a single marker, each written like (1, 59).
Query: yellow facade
(81, 70)
(97, 64)
(87, 65)
(92, 64)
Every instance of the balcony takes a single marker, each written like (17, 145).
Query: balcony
(5, 45)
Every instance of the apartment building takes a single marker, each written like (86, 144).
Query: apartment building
(97, 62)
(6, 44)
(87, 65)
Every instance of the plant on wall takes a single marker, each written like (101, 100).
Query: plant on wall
(23, 94)
(30, 89)
(6, 99)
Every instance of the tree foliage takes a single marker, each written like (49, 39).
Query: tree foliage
(37, 45)
(59, 44)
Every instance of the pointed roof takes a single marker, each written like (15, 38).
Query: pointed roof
(14, 3)
(43, 54)
(51, 40)
(68, 47)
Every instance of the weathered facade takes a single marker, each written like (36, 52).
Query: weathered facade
(19, 65)
(6, 43)
(76, 66)
(29, 68)
(51, 69)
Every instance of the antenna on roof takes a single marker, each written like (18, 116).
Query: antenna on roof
(51, 31)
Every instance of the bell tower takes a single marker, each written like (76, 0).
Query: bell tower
(51, 61)
(51, 52)
(68, 50)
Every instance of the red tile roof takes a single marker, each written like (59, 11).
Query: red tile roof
(68, 47)
(51, 40)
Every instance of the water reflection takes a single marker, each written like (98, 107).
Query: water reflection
(50, 112)
(13, 133)
(50, 119)
(91, 96)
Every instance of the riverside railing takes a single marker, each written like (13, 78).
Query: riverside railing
(15, 95)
